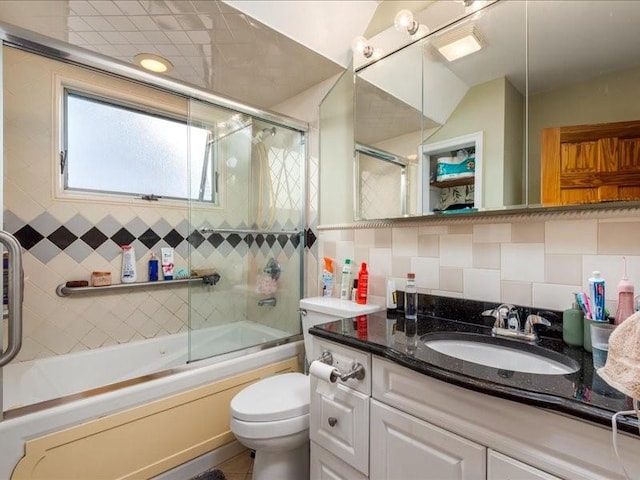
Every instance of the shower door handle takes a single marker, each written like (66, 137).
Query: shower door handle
(15, 295)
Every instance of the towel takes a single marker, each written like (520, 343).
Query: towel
(622, 370)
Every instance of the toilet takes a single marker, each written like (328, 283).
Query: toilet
(271, 416)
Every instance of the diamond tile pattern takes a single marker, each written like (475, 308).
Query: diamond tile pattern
(78, 244)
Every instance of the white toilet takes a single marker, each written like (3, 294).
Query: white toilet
(271, 416)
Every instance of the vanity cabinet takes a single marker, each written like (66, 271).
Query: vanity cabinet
(339, 417)
(397, 423)
(403, 446)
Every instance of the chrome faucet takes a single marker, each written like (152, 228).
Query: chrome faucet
(506, 316)
(271, 302)
(507, 323)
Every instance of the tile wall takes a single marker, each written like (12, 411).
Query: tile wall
(537, 260)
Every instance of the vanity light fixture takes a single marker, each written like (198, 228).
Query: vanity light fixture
(153, 63)
(458, 43)
(404, 22)
(361, 45)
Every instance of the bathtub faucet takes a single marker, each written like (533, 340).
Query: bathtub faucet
(212, 279)
(271, 302)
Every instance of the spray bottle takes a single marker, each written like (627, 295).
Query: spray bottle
(327, 277)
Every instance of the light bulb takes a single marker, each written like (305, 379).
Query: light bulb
(361, 45)
(404, 22)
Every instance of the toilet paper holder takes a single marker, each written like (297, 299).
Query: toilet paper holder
(357, 369)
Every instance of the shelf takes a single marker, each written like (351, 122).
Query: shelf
(63, 291)
(454, 183)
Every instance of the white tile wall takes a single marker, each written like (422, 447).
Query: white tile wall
(538, 263)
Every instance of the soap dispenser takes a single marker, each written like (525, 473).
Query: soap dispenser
(572, 326)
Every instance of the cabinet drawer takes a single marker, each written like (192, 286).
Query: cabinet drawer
(501, 467)
(339, 422)
(343, 360)
(325, 466)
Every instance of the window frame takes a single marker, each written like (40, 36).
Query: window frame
(139, 98)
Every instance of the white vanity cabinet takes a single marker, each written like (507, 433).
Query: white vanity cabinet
(339, 417)
(501, 467)
(522, 442)
(405, 447)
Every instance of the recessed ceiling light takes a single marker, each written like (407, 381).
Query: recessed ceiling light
(153, 63)
(458, 43)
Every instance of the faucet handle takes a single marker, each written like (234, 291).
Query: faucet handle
(535, 320)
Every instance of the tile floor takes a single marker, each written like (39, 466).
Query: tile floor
(239, 467)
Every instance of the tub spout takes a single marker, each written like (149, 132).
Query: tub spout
(271, 302)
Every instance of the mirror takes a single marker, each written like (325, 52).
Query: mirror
(552, 119)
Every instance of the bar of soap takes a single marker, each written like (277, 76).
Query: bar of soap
(76, 283)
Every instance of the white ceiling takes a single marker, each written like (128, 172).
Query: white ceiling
(212, 44)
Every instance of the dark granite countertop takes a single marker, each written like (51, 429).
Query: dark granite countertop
(582, 394)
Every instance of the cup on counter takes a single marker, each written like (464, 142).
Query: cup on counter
(600, 333)
(587, 331)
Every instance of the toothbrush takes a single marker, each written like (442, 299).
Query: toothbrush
(587, 304)
(580, 303)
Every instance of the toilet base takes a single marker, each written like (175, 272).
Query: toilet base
(282, 465)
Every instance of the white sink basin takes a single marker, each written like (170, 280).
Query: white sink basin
(494, 352)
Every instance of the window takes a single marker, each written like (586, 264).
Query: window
(112, 147)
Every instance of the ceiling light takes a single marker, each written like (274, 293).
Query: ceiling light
(458, 43)
(361, 45)
(153, 63)
(404, 22)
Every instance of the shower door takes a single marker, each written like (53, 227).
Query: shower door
(246, 232)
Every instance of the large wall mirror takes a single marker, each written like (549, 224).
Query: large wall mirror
(552, 119)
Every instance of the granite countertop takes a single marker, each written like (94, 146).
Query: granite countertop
(582, 394)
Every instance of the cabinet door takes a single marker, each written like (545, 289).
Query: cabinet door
(339, 422)
(404, 447)
(501, 467)
(325, 466)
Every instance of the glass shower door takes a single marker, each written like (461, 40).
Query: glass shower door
(248, 232)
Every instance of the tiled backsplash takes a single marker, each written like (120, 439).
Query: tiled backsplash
(537, 260)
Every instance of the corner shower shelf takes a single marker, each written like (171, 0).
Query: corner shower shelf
(63, 291)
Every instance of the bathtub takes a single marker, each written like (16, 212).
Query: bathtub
(27, 383)
(39, 380)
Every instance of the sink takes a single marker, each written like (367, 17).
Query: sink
(500, 353)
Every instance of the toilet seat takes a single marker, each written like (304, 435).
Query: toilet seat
(273, 399)
(273, 429)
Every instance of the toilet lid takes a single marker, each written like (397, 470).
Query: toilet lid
(273, 398)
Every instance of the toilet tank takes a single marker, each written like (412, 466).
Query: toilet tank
(319, 310)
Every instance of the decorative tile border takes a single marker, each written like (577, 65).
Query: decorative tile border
(45, 237)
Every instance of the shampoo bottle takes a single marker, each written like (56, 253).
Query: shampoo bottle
(345, 284)
(128, 264)
(363, 284)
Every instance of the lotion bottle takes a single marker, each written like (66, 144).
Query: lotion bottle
(625, 297)
(345, 284)
(128, 264)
